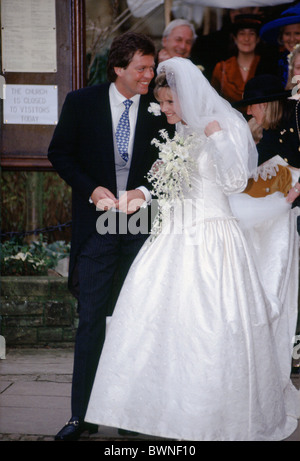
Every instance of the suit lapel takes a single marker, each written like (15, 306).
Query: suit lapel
(104, 121)
(141, 129)
(104, 136)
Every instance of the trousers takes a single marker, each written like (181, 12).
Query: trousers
(103, 264)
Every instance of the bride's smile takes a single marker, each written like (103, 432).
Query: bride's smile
(166, 102)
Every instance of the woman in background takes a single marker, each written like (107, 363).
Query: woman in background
(230, 76)
(294, 71)
(283, 32)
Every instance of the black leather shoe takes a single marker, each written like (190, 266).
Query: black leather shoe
(73, 429)
(125, 432)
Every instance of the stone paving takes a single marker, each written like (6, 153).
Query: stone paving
(35, 387)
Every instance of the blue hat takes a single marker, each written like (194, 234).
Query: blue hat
(270, 31)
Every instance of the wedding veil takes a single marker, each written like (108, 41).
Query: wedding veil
(200, 104)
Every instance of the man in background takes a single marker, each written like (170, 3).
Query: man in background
(177, 40)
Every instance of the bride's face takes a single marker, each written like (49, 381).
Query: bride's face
(167, 105)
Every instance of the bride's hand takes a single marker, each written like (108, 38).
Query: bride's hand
(212, 128)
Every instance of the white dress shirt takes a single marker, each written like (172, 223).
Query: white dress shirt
(117, 108)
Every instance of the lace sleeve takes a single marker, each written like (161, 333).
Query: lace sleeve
(269, 168)
(231, 171)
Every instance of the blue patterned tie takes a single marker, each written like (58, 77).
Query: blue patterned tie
(123, 131)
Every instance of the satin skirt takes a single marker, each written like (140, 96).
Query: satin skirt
(190, 352)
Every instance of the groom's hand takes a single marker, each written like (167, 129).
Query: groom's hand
(103, 198)
(131, 201)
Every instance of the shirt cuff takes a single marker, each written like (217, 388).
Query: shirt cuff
(147, 195)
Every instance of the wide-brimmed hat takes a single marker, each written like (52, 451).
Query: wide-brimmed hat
(270, 31)
(263, 88)
(246, 21)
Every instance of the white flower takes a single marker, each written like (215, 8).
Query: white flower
(19, 256)
(170, 173)
(154, 109)
(200, 67)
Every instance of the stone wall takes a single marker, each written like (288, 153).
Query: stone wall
(37, 311)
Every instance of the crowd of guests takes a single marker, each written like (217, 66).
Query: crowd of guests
(245, 46)
(261, 57)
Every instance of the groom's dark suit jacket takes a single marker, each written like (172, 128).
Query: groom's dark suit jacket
(82, 152)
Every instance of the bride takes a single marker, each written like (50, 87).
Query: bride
(190, 352)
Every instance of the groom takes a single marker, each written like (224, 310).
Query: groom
(86, 152)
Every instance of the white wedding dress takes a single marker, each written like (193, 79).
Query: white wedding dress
(190, 351)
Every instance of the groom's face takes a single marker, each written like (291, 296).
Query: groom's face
(136, 77)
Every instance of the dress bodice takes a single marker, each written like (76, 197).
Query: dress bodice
(216, 174)
(207, 196)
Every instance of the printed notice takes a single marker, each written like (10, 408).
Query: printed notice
(28, 30)
(30, 105)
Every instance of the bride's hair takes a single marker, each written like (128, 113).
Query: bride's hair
(160, 82)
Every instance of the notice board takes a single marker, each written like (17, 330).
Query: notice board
(42, 59)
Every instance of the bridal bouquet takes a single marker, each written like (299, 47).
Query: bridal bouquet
(170, 173)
